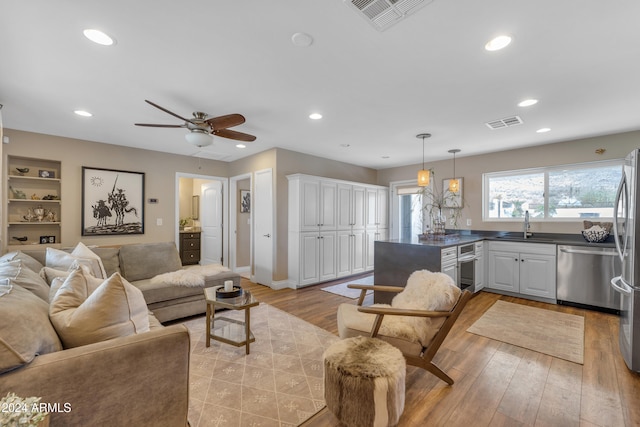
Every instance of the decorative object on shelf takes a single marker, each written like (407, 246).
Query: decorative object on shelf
(22, 171)
(44, 240)
(39, 212)
(245, 201)
(30, 216)
(51, 216)
(34, 196)
(17, 194)
(46, 173)
(423, 174)
(112, 202)
(22, 412)
(454, 183)
(50, 197)
(184, 222)
(21, 238)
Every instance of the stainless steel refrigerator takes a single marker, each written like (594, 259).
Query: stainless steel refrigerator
(625, 227)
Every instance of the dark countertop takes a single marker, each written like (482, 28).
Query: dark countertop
(457, 237)
(193, 230)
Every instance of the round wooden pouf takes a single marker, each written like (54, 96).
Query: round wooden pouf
(364, 381)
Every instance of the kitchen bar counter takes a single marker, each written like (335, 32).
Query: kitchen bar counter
(396, 259)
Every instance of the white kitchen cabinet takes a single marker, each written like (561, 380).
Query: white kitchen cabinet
(318, 205)
(449, 262)
(317, 257)
(335, 213)
(523, 268)
(479, 279)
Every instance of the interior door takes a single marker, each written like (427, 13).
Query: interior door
(263, 223)
(211, 222)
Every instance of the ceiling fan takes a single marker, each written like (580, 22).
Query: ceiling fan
(202, 127)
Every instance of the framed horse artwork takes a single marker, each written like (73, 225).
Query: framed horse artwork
(112, 202)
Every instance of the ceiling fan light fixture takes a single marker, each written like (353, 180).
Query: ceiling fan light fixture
(199, 138)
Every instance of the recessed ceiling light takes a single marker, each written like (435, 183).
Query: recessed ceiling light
(98, 36)
(527, 102)
(83, 113)
(385, 157)
(241, 146)
(315, 116)
(345, 145)
(498, 43)
(301, 39)
(543, 130)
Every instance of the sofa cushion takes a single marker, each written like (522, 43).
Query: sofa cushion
(25, 329)
(156, 292)
(25, 277)
(29, 261)
(83, 316)
(56, 279)
(81, 255)
(110, 260)
(145, 260)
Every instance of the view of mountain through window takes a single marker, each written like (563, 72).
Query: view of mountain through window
(576, 191)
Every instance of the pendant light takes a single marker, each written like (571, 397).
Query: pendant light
(454, 183)
(423, 174)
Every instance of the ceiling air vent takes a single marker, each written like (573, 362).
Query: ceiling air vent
(504, 123)
(384, 13)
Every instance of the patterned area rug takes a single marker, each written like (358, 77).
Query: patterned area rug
(341, 288)
(279, 384)
(556, 334)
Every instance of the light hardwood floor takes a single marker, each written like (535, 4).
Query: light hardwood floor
(496, 384)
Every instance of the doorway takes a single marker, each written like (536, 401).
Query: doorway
(209, 216)
(240, 225)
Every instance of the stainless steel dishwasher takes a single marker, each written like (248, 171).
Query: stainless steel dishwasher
(583, 276)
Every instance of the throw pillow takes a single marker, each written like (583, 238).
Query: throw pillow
(25, 277)
(29, 261)
(83, 316)
(110, 260)
(55, 278)
(61, 260)
(25, 329)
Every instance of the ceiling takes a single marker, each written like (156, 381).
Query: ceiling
(376, 89)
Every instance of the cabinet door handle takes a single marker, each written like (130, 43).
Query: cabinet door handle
(516, 259)
(267, 235)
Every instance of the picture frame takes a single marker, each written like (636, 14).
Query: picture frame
(245, 201)
(451, 200)
(112, 202)
(44, 240)
(43, 173)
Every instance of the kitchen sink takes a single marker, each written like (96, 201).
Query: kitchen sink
(528, 239)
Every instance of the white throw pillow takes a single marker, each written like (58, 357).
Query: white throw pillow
(55, 278)
(25, 277)
(29, 261)
(61, 260)
(83, 316)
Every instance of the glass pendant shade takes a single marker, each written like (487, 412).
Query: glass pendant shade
(423, 178)
(454, 185)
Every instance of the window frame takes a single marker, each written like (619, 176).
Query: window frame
(545, 171)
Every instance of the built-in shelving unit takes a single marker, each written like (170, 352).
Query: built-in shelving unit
(33, 203)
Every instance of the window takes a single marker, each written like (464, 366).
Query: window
(585, 190)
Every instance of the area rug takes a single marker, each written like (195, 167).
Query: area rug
(342, 290)
(556, 334)
(280, 383)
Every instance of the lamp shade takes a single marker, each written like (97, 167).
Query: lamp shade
(454, 185)
(199, 138)
(423, 178)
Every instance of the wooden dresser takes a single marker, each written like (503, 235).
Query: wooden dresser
(190, 247)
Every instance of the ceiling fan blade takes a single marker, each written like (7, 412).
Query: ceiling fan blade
(223, 122)
(167, 111)
(232, 134)
(160, 126)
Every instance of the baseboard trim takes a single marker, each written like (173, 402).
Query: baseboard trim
(276, 285)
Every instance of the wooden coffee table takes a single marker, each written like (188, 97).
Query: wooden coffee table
(230, 331)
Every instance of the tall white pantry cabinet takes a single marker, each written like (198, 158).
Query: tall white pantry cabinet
(333, 225)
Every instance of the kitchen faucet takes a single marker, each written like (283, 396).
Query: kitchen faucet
(527, 226)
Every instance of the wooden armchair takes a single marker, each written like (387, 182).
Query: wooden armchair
(367, 321)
